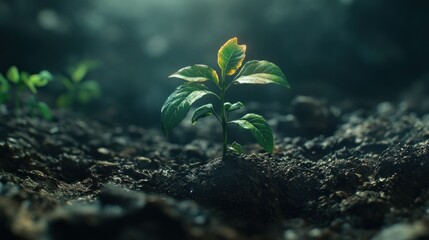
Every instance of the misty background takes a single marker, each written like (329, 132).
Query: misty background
(360, 51)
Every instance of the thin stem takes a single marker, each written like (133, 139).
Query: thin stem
(227, 87)
(223, 116)
(217, 116)
(224, 131)
(215, 95)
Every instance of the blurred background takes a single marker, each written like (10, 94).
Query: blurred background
(343, 51)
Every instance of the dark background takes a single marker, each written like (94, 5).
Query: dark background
(362, 51)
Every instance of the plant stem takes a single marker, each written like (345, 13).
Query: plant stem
(223, 117)
(223, 121)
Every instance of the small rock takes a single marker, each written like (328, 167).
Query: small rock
(314, 115)
(385, 108)
(404, 231)
(290, 235)
(103, 151)
(54, 130)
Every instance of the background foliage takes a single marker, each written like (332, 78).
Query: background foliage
(339, 50)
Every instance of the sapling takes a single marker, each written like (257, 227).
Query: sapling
(16, 82)
(230, 58)
(79, 90)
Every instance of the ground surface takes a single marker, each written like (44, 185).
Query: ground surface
(334, 175)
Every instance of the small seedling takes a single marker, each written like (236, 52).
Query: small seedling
(16, 82)
(230, 58)
(80, 91)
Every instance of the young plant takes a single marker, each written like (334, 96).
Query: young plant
(16, 82)
(230, 58)
(4, 89)
(79, 90)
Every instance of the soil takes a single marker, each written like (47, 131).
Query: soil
(335, 174)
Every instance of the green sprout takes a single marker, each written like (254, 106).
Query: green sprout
(79, 90)
(16, 82)
(230, 58)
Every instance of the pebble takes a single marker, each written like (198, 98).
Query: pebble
(103, 151)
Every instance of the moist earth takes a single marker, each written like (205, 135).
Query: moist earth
(335, 173)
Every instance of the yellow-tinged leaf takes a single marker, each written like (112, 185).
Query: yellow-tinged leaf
(230, 56)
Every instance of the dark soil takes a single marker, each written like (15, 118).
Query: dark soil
(351, 175)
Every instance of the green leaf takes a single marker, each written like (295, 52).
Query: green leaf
(67, 82)
(227, 106)
(25, 76)
(233, 107)
(4, 89)
(46, 75)
(179, 102)
(197, 73)
(79, 72)
(13, 74)
(44, 110)
(259, 129)
(236, 147)
(4, 85)
(230, 56)
(202, 112)
(40, 80)
(31, 82)
(261, 72)
(88, 91)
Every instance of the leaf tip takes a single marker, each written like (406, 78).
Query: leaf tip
(232, 40)
(164, 130)
(173, 75)
(270, 149)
